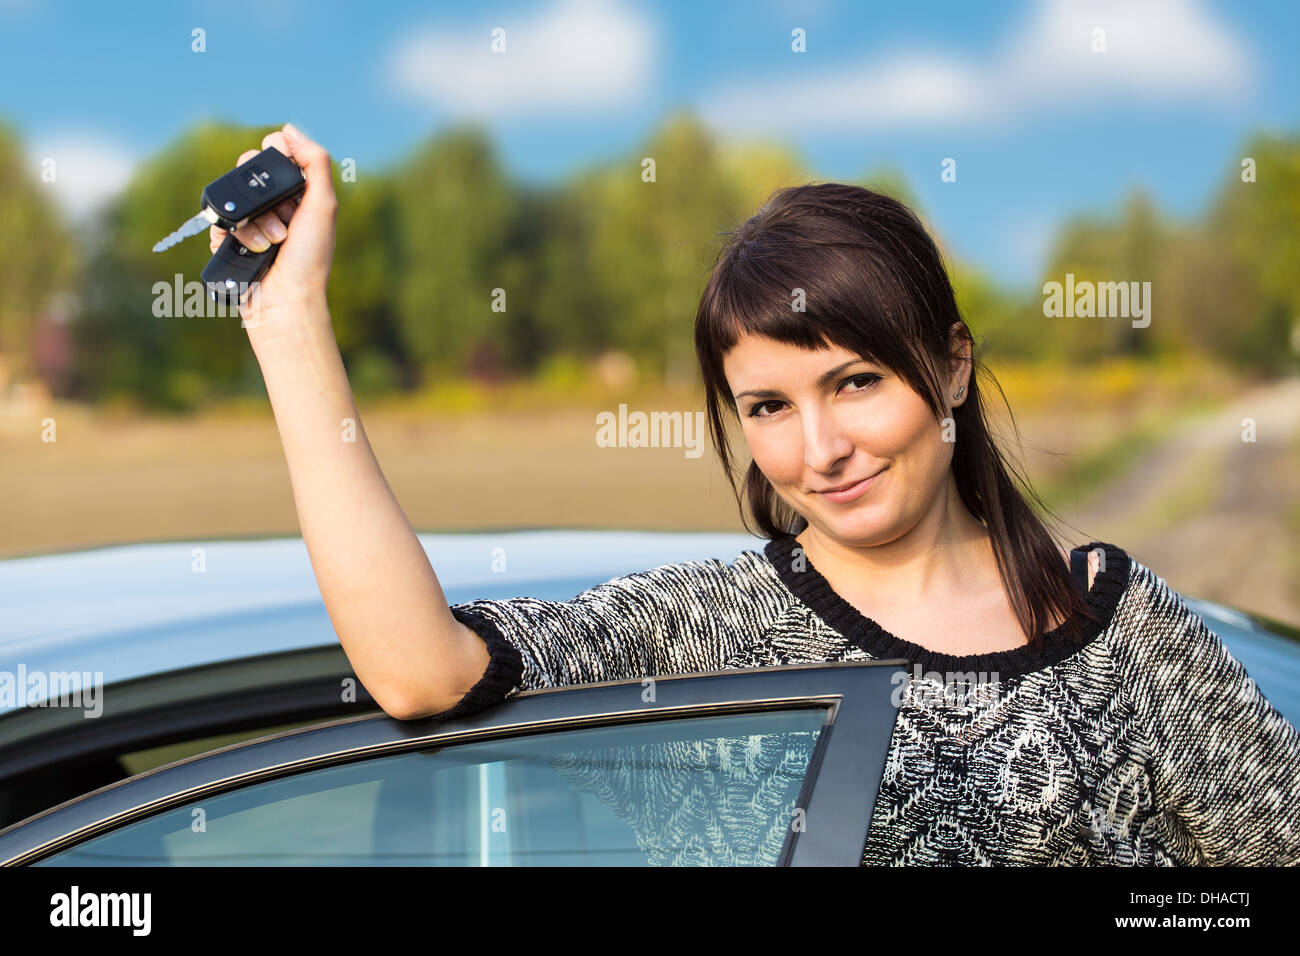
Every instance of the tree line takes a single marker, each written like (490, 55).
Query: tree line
(444, 267)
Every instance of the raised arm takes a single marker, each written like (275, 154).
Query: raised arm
(382, 595)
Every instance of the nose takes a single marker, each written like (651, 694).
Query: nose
(824, 441)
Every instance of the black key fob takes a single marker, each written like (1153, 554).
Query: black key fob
(253, 188)
(233, 268)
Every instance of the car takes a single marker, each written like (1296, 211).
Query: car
(235, 731)
(566, 776)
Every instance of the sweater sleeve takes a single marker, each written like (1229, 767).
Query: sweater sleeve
(1225, 764)
(674, 619)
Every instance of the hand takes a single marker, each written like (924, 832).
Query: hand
(293, 289)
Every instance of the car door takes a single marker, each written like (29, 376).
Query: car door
(766, 766)
(52, 754)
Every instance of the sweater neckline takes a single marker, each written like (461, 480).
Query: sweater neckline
(812, 588)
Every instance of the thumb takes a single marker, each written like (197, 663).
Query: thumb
(314, 160)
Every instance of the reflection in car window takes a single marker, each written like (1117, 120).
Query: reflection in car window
(720, 790)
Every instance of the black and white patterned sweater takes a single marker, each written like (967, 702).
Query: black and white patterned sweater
(1147, 745)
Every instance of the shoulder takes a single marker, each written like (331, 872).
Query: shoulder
(1159, 643)
(712, 582)
(1094, 561)
(746, 566)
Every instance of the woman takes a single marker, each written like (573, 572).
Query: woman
(1113, 728)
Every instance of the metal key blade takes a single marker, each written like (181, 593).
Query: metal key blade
(191, 228)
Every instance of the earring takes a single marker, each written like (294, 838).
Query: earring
(959, 393)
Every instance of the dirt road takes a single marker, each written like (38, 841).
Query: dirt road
(1215, 515)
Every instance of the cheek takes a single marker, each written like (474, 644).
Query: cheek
(777, 451)
(903, 431)
(930, 455)
(893, 428)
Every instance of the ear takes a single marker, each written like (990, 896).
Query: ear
(959, 364)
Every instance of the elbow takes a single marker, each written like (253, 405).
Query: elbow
(414, 706)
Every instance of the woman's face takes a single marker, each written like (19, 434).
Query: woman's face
(827, 419)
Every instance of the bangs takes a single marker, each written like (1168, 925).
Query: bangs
(845, 302)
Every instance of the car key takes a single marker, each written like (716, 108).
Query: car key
(243, 194)
(233, 268)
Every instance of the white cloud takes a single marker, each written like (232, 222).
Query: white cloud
(575, 55)
(1168, 49)
(1152, 49)
(88, 169)
(905, 88)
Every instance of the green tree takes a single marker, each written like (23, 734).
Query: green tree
(653, 242)
(1253, 226)
(1133, 247)
(450, 224)
(134, 336)
(38, 256)
(363, 283)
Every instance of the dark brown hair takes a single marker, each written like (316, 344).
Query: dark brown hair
(874, 283)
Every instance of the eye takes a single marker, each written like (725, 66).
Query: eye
(871, 377)
(864, 379)
(753, 412)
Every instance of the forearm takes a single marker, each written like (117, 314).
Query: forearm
(383, 598)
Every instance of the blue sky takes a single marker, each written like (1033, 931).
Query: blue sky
(1041, 127)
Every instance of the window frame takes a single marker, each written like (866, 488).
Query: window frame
(246, 696)
(837, 807)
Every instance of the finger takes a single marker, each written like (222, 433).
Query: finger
(271, 227)
(276, 138)
(318, 200)
(216, 236)
(253, 237)
(246, 155)
(285, 210)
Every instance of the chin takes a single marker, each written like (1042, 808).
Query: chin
(866, 525)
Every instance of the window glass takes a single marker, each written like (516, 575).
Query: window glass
(719, 790)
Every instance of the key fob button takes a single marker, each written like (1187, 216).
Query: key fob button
(259, 179)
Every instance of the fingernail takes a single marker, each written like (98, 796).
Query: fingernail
(275, 231)
(259, 243)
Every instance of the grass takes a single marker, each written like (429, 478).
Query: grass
(1095, 466)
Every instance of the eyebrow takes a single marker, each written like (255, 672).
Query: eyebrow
(822, 381)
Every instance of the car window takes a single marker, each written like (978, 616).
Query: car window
(715, 790)
(26, 794)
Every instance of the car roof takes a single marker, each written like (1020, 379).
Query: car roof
(135, 610)
(138, 610)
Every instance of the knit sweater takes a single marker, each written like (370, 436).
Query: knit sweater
(1147, 744)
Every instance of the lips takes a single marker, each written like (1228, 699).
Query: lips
(847, 485)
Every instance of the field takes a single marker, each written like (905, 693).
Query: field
(1147, 457)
